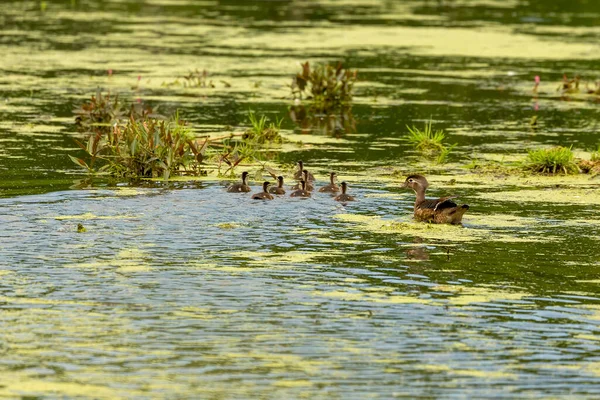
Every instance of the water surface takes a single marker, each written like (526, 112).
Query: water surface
(183, 290)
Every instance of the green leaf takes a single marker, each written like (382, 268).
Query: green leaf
(79, 162)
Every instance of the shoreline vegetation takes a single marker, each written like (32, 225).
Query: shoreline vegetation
(132, 140)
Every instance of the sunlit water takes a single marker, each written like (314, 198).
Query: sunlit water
(183, 290)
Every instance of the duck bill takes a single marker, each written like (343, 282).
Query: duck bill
(404, 185)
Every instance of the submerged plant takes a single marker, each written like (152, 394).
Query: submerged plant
(326, 86)
(429, 142)
(551, 161)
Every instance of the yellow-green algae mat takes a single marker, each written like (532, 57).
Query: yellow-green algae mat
(489, 228)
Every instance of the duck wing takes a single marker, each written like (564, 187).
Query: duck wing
(444, 202)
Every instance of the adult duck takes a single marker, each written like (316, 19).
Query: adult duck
(439, 211)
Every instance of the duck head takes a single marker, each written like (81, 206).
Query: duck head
(280, 181)
(416, 183)
(266, 185)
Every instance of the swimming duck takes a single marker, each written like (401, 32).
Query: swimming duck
(240, 187)
(300, 175)
(308, 186)
(344, 197)
(264, 195)
(439, 211)
(301, 192)
(279, 188)
(332, 187)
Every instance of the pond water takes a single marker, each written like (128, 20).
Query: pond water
(182, 290)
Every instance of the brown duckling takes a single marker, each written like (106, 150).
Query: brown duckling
(264, 195)
(240, 187)
(308, 186)
(300, 174)
(279, 188)
(344, 197)
(439, 211)
(332, 187)
(301, 192)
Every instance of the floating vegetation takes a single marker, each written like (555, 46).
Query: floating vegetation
(556, 160)
(429, 142)
(327, 87)
(146, 148)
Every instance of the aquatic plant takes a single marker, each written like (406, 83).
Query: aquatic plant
(262, 130)
(102, 111)
(591, 166)
(595, 155)
(429, 142)
(195, 79)
(551, 161)
(144, 148)
(326, 86)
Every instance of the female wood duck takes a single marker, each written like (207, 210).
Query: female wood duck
(264, 195)
(332, 187)
(308, 186)
(301, 192)
(240, 187)
(344, 197)
(300, 174)
(279, 188)
(439, 211)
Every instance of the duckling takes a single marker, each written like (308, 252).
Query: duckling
(439, 211)
(264, 195)
(240, 187)
(309, 186)
(332, 187)
(279, 188)
(300, 175)
(301, 192)
(344, 197)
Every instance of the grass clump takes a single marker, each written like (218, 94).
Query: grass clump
(429, 142)
(144, 148)
(326, 86)
(262, 130)
(556, 160)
